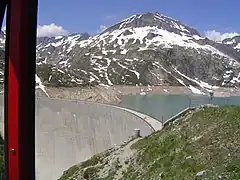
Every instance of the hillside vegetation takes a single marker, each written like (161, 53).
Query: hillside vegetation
(204, 144)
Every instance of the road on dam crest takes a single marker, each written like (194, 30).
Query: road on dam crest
(68, 132)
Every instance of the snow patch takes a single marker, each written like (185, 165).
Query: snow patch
(237, 46)
(195, 90)
(202, 84)
(39, 85)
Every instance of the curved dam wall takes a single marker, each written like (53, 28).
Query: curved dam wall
(68, 132)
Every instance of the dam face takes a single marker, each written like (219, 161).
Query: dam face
(68, 132)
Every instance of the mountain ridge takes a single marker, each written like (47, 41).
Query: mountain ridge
(144, 49)
(233, 42)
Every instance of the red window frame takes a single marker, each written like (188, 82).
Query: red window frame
(19, 86)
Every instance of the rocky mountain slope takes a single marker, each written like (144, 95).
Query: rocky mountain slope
(233, 42)
(203, 144)
(147, 49)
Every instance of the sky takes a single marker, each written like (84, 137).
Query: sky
(215, 19)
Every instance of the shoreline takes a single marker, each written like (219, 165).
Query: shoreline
(174, 90)
(113, 94)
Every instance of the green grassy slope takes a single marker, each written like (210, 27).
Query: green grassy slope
(201, 145)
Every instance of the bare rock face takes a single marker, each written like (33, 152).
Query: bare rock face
(144, 49)
(99, 94)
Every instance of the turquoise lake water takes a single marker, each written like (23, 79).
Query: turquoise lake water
(163, 107)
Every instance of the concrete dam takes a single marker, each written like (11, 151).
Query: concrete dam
(68, 132)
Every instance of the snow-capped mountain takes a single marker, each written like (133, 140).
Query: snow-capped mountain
(233, 42)
(146, 49)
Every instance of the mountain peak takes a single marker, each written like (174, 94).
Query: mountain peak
(154, 19)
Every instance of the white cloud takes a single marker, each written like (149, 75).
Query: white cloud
(102, 28)
(48, 30)
(217, 36)
(51, 30)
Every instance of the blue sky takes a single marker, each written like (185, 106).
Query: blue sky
(76, 15)
(87, 16)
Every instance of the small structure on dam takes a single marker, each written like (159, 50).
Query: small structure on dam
(68, 132)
